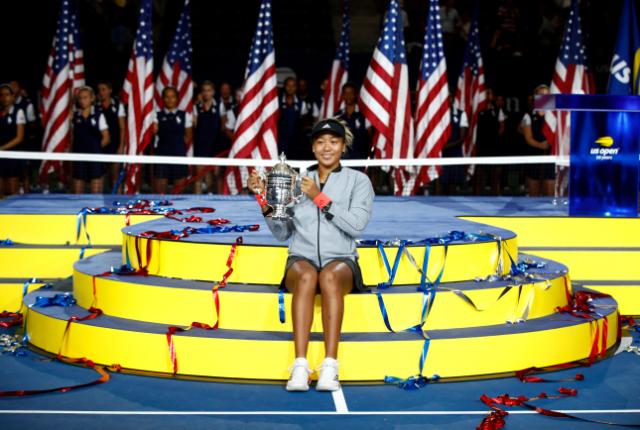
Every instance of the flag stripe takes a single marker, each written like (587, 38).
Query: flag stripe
(255, 133)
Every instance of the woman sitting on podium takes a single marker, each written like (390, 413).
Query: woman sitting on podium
(333, 212)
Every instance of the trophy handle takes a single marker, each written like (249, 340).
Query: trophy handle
(296, 191)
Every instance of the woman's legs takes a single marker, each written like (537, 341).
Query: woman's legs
(160, 185)
(97, 186)
(78, 186)
(533, 186)
(302, 282)
(336, 280)
(549, 187)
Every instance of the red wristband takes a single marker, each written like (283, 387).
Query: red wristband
(262, 201)
(321, 200)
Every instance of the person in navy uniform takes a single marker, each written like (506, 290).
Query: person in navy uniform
(174, 133)
(114, 112)
(453, 177)
(311, 108)
(356, 121)
(207, 124)
(290, 132)
(12, 123)
(90, 136)
(540, 178)
(32, 133)
(491, 127)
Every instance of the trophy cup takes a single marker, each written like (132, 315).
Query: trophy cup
(283, 188)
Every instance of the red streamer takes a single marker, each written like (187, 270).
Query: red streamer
(104, 377)
(218, 221)
(15, 318)
(524, 374)
(171, 330)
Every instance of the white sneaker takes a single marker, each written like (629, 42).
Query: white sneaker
(300, 371)
(328, 379)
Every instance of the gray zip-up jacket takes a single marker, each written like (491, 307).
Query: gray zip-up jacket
(322, 237)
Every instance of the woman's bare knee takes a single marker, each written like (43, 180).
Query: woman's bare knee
(302, 277)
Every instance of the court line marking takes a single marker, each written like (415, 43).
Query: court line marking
(485, 412)
(340, 402)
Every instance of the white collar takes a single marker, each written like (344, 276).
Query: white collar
(213, 104)
(295, 99)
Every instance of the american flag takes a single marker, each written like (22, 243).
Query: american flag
(137, 94)
(470, 94)
(176, 68)
(433, 117)
(256, 130)
(332, 100)
(571, 76)
(385, 100)
(64, 73)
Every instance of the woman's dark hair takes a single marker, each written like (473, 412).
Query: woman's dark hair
(166, 89)
(207, 83)
(106, 83)
(350, 84)
(7, 86)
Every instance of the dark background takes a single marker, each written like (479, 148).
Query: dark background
(305, 34)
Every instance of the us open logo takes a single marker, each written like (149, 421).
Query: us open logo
(604, 149)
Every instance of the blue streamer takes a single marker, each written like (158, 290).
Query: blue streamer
(418, 381)
(118, 182)
(6, 242)
(81, 222)
(25, 286)
(383, 311)
(396, 263)
(126, 254)
(62, 299)
(423, 356)
(132, 204)
(281, 308)
(411, 383)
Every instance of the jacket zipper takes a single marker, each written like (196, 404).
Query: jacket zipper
(318, 241)
(318, 238)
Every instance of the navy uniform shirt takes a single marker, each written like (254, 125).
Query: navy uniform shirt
(206, 136)
(27, 107)
(171, 128)
(112, 113)
(536, 122)
(458, 120)
(9, 125)
(358, 125)
(87, 132)
(290, 137)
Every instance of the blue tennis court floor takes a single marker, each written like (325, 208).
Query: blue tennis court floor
(610, 391)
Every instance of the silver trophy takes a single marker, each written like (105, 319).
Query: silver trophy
(283, 188)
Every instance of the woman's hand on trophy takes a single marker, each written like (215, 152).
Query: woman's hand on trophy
(255, 183)
(309, 187)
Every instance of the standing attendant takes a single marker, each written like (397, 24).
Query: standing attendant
(90, 136)
(207, 133)
(322, 232)
(290, 123)
(539, 177)
(453, 178)
(174, 132)
(114, 112)
(32, 132)
(12, 122)
(356, 121)
(491, 126)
